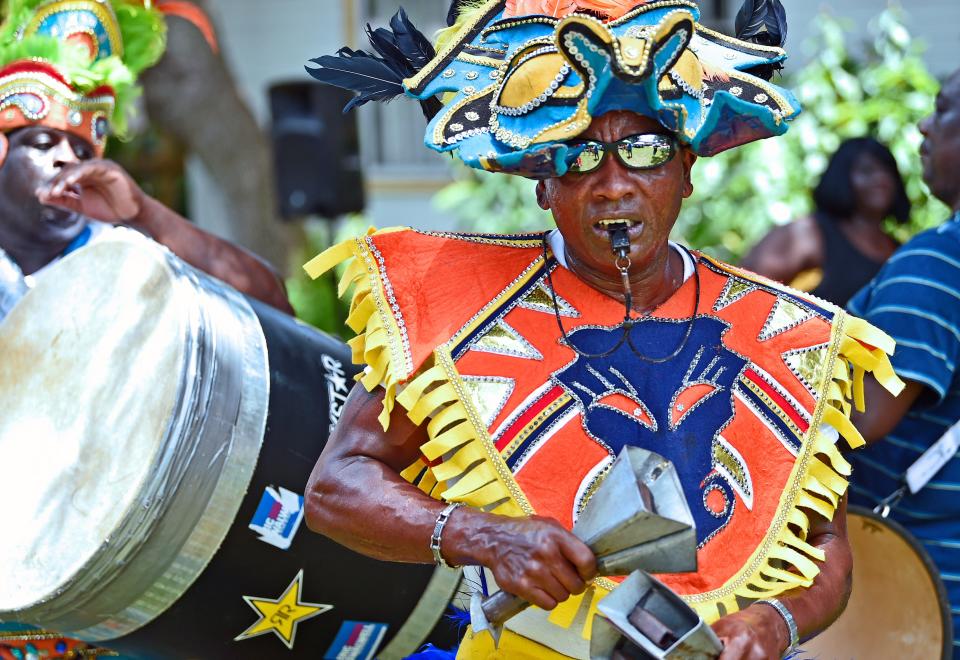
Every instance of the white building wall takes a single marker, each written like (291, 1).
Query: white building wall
(934, 22)
(270, 42)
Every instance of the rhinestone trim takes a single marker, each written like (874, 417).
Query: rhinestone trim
(394, 310)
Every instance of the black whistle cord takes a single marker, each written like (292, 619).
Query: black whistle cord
(620, 246)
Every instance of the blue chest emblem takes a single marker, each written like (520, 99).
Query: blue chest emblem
(675, 408)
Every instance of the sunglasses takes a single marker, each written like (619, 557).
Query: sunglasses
(645, 151)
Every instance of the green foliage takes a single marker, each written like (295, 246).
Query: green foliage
(316, 301)
(883, 93)
(493, 203)
(740, 194)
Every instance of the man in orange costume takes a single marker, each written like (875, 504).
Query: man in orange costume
(504, 373)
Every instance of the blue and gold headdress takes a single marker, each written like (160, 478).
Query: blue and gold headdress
(511, 81)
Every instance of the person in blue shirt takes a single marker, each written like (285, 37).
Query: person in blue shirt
(916, 299)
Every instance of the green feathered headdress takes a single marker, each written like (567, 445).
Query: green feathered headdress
(92, 43)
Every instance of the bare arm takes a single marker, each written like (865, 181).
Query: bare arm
(884, 410)
(356, 496)
(237, 267)
(787, 251)
(759, 632)
(102, 190)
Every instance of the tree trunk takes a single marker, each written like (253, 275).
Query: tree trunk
(191, 94)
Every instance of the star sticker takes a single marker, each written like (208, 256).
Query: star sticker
(281, 615)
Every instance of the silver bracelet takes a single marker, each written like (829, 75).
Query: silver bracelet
(791, 622)
(438, 531)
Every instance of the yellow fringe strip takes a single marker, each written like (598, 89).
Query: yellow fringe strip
(820, 475)
(564, 613)
(459, 458)
(378, 343)
(457, 466)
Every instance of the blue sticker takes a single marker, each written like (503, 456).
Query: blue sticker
(278, 517)
(357, 640)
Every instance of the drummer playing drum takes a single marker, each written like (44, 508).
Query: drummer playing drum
(56, 191)
(57, 194)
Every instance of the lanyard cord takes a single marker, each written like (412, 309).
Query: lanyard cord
(628, 321)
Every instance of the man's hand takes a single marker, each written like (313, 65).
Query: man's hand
(534, 557)
(102, 190)
(756, 633)
(98, 189)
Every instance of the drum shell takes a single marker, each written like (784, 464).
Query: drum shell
(898, 606)
(204, 622)
(248, 408)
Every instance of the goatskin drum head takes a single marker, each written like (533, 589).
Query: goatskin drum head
(90, 370)
(898, 606)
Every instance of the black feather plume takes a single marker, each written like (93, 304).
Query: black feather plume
(385, 43)
(412, 42)
(762, 22)
(360, 72)
(403, 51)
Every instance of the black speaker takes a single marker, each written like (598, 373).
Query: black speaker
(316, 151)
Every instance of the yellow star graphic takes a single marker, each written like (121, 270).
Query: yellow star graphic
(281, 615)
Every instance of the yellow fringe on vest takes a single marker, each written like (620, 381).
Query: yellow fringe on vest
(820, 477)
(457, 464)
(460, 464)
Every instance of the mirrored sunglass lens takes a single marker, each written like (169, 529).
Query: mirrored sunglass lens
(646, 151)
(589, 158)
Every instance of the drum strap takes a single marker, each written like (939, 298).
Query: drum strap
(924, 468)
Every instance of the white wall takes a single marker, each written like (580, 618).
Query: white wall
(935, 22)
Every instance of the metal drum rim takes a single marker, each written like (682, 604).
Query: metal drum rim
(44, 601)
(220, 513)
(212, 341)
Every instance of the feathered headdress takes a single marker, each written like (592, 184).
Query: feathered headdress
(74, 64)
(510, 82)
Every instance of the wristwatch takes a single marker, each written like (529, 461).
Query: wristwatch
(788, 618)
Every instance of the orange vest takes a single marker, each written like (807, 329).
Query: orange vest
(462, 331)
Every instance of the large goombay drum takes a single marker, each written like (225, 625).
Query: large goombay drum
(157, 433)
(898, 608)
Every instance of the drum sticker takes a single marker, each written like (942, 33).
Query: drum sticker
(278, 517)
(337, 387)
(282, 615)
(356, 640)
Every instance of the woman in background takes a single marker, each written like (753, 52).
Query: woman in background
(844, 239)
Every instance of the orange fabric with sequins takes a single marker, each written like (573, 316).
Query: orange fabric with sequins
(444, 286)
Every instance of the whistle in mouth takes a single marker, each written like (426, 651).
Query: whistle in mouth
(619, 238)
